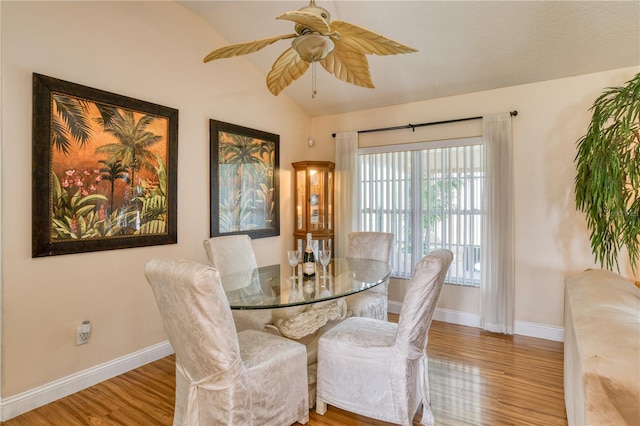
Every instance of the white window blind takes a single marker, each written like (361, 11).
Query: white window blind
(429, 196)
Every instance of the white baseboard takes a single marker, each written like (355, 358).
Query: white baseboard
(34, 398)
(541, 331)
(457, 317)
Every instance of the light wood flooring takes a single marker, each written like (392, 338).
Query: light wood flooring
(476, 378)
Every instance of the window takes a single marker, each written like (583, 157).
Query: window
(429, 195)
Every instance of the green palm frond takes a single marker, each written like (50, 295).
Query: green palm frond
(70, 123)
(153, 227)
(235, 217)
(162, 176)
(240, 150)
(608, 175)
(134, 141)
(154, 208)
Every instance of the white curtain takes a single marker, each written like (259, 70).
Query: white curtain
(346, 190)
(497, 259)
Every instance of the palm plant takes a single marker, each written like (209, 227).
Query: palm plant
(266, 191)
(236, 215)
(241, 150)
(266, 199)
(111, 171)
(268, 149)
(134, 141)
(73, 215)
(439, 197)
(154, 202)
(70, 123)
(608, 175)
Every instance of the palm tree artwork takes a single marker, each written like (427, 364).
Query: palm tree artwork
(106, 166)
(133, 140)
(132, 147)
(110, 171)
(246, 182)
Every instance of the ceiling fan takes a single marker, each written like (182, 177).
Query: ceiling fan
(339, 46)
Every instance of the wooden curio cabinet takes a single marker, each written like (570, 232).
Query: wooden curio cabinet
(313, 203)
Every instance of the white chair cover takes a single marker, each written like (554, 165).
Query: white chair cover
(372, 303)
(305, 324)
(377, 368)
(224, 378)
(233, 253)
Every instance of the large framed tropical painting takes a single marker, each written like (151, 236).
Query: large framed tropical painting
(244, 181)
(104, 170)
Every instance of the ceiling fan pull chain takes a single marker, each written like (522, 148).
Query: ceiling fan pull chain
(313, 80)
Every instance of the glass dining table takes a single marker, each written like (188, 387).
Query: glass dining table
(274, 286)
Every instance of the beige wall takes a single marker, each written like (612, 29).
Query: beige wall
(146, 50)
(551, 238)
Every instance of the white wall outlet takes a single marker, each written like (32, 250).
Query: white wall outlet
(83, 333)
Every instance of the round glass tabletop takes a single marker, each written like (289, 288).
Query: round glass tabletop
(275, 286)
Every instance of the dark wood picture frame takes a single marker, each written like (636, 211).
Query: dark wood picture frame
(104, 170)
(244, 181)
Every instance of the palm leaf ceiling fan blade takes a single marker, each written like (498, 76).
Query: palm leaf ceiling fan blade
(349, 66)
(285, 70)
(339, 46)
(244, 48)
(365, 41)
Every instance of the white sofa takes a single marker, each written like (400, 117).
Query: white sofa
(602, 349)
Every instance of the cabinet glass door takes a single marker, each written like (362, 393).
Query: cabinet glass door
(301, 200)
(329, 203)
(313, 202)
(316, 200)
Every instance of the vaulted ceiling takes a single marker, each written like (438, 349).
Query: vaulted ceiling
(463, 46)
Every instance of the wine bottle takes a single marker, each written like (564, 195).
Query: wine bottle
(308, 260)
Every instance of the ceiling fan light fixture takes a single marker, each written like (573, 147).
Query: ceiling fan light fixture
(312, 47)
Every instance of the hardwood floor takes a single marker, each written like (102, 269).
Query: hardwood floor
(476, 378)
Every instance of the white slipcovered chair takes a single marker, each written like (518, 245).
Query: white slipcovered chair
(371, 303)
(377, 368)
(224, 377)
(304, 324)
(233, 253)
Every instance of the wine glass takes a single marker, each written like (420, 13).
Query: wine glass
(294, 259)
(325, 258)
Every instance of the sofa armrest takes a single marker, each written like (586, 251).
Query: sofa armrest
(602, 349)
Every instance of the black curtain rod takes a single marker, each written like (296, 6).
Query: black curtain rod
(413, 126)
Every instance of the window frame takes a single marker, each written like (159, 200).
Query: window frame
(414, 209)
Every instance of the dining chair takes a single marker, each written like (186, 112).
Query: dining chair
(303, 324)
(379, 369)
(223, 377)
(234, 253)
(371, 303)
